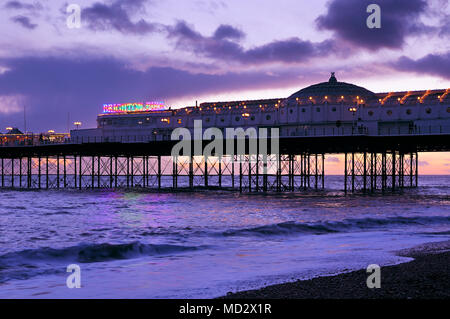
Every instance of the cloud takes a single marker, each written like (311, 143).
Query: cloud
(55, 86)
(228, 32)
(116, 16)
(18, 5)
(433, 64)
(423, 163)
(399, 19)
(24, 22)
(222, 46)
(11, 104)
(332, 159)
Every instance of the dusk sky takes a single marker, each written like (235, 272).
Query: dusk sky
(183, 51)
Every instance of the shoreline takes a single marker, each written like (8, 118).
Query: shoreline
(427, 276)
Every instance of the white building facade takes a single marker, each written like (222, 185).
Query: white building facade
(325, 109)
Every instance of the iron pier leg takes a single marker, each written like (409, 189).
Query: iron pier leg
(20, 172)
(191, 171)
(159, 171)
(345, 173)
(98, 171)
(29, 172)
(240, 173)
(417, 169)
(323, 171)
(206, 171)
(249, 172)
(57, 171)
(278, 172)
(220, 171)
(115, 171)
(111, 178)
(132, 171)
(264, 172)
(3, 172)
(65, 171)
(365, 171)
(93, 172)
(12, 172)
(233, 162)
(393, 170)
(353, 172)
(81, 173)
(128, 172)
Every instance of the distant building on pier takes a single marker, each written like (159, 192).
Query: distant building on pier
(324, 109)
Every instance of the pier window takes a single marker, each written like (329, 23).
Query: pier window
(428, 110)
(370, 113)
(389, 112)
(268, 117)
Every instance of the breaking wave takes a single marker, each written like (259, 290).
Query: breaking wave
(287, 228)
(32, 262)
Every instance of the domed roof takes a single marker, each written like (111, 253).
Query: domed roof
(332, 90)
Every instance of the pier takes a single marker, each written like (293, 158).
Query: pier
(380, 135)
(372, 163)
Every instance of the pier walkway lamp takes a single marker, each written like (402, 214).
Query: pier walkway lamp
(77, 124)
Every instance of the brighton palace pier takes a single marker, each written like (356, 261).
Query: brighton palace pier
(379, 133)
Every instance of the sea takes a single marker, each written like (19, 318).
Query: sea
(205, 243)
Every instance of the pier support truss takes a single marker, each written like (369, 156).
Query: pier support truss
(254, 173)
(369, 172)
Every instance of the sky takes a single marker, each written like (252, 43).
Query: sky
(182, 51)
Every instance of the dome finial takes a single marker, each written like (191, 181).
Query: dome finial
(332, 78)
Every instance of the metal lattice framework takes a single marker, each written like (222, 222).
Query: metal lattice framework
(365, 171)
(380, 171)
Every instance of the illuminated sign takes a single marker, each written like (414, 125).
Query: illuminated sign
(133, 107)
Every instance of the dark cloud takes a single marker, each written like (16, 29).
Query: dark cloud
(52, 87)
(116, 16)
(423, 163)
(24, 22)
(293, 50)
(433, 64)
(332, 159)
(399, 19)
(228, 32)
(17, 5)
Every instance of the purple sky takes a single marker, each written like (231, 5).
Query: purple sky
(183, 51)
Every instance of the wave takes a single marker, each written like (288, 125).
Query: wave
(88, 253)
(32, 262)
(291, 227)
